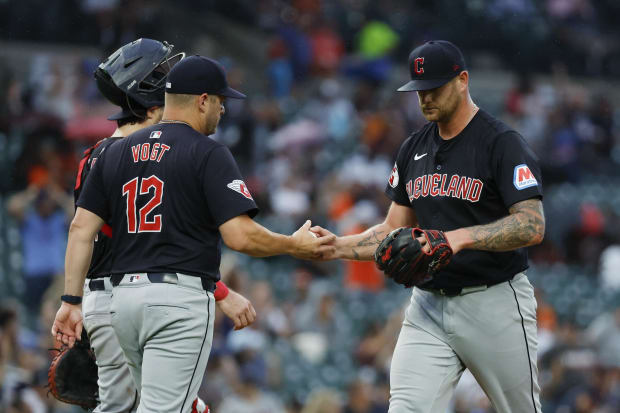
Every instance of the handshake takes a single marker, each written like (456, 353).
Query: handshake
(410, 256)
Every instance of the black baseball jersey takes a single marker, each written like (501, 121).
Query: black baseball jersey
(102, 249)
(471, 179)
(165, 190)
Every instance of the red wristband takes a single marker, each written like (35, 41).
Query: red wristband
(221, 291)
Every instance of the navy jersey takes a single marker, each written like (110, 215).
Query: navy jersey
(165, 190)
(102, 249)
(471, 179)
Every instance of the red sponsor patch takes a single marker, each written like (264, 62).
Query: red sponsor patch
(523, 177)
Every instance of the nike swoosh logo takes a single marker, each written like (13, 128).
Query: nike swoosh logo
(417, 158)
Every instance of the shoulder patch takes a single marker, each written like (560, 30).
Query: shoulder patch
(393, 181)
(523, 177)
(239, 186)
(155, 134)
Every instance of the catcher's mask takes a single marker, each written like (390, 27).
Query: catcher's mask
(134, 76)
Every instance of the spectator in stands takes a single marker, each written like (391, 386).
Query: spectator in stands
(360, 399)
(43, 213)
(273, 320)
(604, 334)
(323, 401)
(248, 395)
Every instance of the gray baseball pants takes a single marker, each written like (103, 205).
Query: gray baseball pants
(166, 332)
(117, 391)
(491, 332)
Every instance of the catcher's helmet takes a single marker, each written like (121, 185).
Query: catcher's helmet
(134, 76)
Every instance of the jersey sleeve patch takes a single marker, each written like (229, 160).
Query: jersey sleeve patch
(393, 181)
(523, 177)
(239, 186)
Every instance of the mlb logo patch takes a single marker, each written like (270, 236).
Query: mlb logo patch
(155, 134)
(393, 181)
(133, 278)
(523, 177)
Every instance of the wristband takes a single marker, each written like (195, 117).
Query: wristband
(71, 299)
(221, 291)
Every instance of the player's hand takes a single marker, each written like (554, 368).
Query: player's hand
(67, 325)
(457, 239)
(308, 246)
(238, 308)
(322, 232)
(424, 244)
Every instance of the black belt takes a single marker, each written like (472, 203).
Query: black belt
(96, 285)
(454, 291)
(166, 277)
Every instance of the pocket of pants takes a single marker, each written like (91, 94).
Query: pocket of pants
(164, 306)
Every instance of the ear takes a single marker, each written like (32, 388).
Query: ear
(203, 101)
(154, 113)
(463, 80)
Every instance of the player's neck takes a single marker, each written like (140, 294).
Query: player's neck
(459, 120)
(180, 116)
(127, 129)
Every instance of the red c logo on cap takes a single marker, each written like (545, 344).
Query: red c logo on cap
(417, 65)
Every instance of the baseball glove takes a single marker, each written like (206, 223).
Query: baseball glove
(72, 376)
(401, 257)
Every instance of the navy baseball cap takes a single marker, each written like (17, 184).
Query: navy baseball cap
(196, 75)
(432, 65)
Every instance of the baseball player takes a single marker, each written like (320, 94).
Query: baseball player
(144, 63)
(170, 195)
(470, 175)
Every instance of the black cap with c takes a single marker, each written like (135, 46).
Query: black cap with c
(432, 65)
(196, 75)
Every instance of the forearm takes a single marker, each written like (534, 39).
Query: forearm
(261, 242)
(82, 234)
(522, 228)
(77, 260)
(361, 247)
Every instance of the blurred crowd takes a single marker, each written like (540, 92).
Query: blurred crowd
(318, 141)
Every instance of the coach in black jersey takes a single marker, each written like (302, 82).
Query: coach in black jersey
(170, 195)
(468, 174)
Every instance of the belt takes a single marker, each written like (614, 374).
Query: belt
(454, 291)
(96, 285)
(166, 277)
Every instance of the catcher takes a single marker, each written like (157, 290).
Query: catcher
(472, 176)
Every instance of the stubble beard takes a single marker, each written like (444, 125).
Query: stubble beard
(443, 114)
(211, 125)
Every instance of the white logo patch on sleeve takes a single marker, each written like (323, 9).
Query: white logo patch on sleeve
(393, 181)
(523, 177)
(239, 186)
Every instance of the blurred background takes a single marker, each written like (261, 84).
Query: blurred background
(317, 138)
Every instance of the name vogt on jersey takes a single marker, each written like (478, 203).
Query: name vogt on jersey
(148, 151)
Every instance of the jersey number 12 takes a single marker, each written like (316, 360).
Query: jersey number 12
(131, 190)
